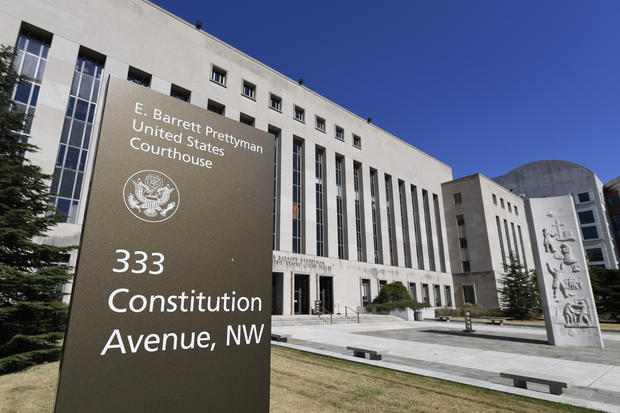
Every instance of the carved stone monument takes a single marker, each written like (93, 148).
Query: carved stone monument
(562, 272)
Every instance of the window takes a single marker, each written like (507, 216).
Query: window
(300, 114)
(180, 93)
(248, 90)
(416, 226)
(341, 217)
(218, 75)
(522, 247)
(586, 217)
(139, 77)
(376, 222)
(501, 202)
(516, 210)
(448, 296)
(589, 232)
(76, 135)
(437, 294)
(365, 291)
(466, 266)
(382, 283)
(319, 167)
(460, 220)
(389, 206)
(501, 240)
(509, 207)
(359, 213)
(298, 193)
(442, 255)
(247, 119)
(425, 294)
(463, 242)
(594, 255)
(275, 102)
(429, 231)
(613, 201)
(583, 197)
(320, 124)
(357, 142)
(457, 198)
(404, 223)
(494, 200)
(339, 133)
(413, 292)
(216, 107)
(469, 294)
(30, 61)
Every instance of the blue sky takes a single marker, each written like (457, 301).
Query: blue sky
(484, 86)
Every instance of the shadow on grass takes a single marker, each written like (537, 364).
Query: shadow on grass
(489, 336)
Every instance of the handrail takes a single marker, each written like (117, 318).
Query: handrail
(346, 313)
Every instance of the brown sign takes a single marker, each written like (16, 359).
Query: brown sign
(172, 295)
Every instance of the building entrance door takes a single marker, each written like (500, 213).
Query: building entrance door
(301, 294)
(276, 293)
(326, 294)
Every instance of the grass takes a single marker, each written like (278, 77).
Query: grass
(303, 382)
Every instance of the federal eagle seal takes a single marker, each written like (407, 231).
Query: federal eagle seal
(151, 196)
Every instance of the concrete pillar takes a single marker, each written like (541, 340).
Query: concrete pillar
(287, 293)
(160, 85)
(332, 219)
(398, 223)
(367, 201)
(286, 191)
(349, 190)
(383, 216)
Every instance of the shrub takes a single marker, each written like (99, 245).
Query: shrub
(23, 344)
(29, 318)
(476, 310)
(385, 308)
(392, 292)
(21, 361)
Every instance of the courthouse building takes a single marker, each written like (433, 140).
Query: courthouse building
(354, 207)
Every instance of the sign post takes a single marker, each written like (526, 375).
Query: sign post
(172, 294)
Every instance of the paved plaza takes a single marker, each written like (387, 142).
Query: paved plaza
(443, 350)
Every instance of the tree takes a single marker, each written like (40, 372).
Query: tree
(519, 294)
(606, 289)
(392, 292)
(30, 279)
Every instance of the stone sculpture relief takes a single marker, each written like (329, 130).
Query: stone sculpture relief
(561, 263)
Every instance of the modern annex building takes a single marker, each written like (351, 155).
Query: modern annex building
(612, 199)
(553, 178)
(354, 207)
(486, 224)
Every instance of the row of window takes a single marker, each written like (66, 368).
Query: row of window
(439, 299)
(320, 178)
(501, 202)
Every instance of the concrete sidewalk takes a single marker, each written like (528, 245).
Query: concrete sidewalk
(480, 357)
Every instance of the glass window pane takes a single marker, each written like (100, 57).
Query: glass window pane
(30, 66)
(77, 130)
(78, 186)
(35, 95)
(55, 181)
(70, 107)
(71, 161)
(40, 70)
(83, 160)
(85, 86)
(87, 136)
(65, 130)
(74, 85)
(91, 112)
(21, 43)
(34, 46)
(22, 93)
(89, 67)
(81, 108)
(61, 155)
(95, 91)
(589, 232)
(586, 217)
(63, 208)
(66, 186)
(46, 48)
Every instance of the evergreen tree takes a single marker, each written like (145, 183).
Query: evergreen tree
(519, 294)
(31, 322)
(606, 289)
